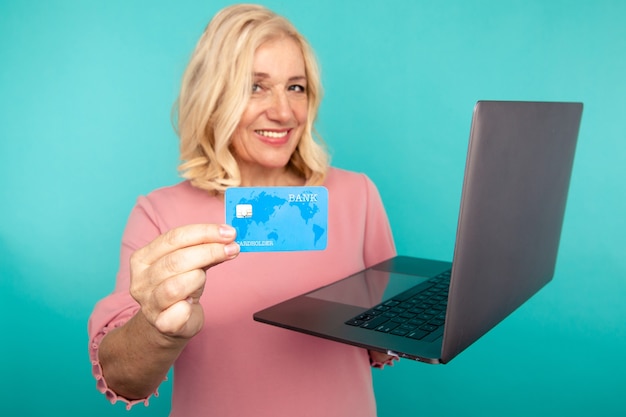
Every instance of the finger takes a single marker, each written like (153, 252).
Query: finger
(193, 257)
(180, 319)
(182, 237)
(178, 288)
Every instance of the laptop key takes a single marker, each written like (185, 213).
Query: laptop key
(399, 320)
(416, 322)
(417, 334)
(375, 322)
(424, 316)
(434, 335)
(428, 328)
(387, 327)
(407, 327)
(399, 331)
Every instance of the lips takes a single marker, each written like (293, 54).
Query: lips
(272, 134)
(274, 137)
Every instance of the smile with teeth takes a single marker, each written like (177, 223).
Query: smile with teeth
(271, 134)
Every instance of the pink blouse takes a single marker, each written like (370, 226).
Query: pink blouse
(263, 370)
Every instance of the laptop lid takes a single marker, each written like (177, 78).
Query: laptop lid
(518, 168)
(517, 176)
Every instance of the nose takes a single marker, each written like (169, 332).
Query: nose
(279, 108)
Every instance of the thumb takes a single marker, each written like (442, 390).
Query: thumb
(183, 319)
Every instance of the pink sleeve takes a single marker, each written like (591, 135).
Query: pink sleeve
(117, 308)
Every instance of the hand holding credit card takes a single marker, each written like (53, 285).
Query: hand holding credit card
(278, 219)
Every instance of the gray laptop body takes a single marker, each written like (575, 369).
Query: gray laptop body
(517, 176)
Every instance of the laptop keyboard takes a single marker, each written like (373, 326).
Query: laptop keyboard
(417, 313)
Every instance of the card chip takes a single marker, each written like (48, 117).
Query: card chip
(243, 211)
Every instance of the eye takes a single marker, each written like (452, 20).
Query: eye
(256, 88)
(297, 88)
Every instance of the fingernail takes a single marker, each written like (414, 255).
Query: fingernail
(226, 231)
(231, 249)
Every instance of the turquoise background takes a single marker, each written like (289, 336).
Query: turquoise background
(86, 90)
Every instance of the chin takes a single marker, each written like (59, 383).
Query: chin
(275, 164)
(275, 161)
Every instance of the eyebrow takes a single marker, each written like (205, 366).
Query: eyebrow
(295, 78)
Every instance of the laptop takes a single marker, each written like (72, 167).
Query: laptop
(516, 181)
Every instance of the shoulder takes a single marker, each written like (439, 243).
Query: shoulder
(179, 195)
(347, 181)
(352, 190)
(180, 204)
(180, 191)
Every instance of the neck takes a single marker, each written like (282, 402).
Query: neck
(255, 176)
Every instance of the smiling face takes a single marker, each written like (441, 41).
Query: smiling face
(276, 114)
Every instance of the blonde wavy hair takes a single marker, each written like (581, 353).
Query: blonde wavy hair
(215, 90)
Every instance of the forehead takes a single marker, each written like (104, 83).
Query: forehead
(280, 56)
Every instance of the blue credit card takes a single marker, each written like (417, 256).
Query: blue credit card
(278, 219)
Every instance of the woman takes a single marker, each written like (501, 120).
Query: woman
(184, 295)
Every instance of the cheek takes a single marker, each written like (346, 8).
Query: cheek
(237, 143)
(247, 118)
(301, 112)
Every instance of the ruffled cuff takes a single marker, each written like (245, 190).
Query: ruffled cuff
(382, 359)
(96, 368)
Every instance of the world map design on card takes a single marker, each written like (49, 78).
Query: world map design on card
(278, 219)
